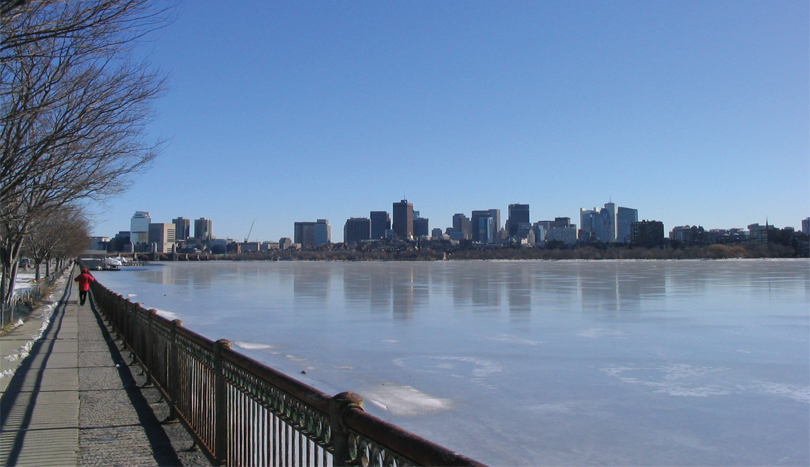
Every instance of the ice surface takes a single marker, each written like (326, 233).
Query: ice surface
(535, 362)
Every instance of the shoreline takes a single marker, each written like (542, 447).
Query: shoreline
(710, 252)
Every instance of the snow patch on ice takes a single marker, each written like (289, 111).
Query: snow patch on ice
(296, 359)
(797, 393)
(514, 340)
(406, 401)
(676, 379)
(598, 333)
(477, 369)
(252, 345)
(167, 314)
(7, 373)
(693, 381)
(483, 368)
(559, 407)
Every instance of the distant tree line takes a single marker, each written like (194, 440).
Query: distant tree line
(717, 251)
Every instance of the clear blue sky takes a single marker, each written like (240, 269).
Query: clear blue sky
(691, 112)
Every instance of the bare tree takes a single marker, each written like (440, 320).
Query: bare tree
(26, 21)
(56, 236)
(73, 109)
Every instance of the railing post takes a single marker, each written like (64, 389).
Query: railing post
(174, 371)
(338, 406)
(150, 350)
(132, 333)
(221, 402)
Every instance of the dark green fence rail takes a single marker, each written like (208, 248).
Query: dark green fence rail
(241, 412)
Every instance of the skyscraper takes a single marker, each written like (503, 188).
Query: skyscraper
(421, 227)
(356, 229)
(304, 234)
(486, 229)
(608, 231)
(380, 222)
(601, 224)
(202, 229)
(312, 234)
(162, 235)
(403, 219)
(624, 220)
(322, 232)
(590, 223)
(649, 234)
(139, 227)
(484, 225)
(496, 219)
(518, 214)
(462, 225)
(182, 228)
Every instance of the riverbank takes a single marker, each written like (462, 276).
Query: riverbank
(412, 252)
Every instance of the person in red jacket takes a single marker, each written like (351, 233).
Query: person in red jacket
(84, 279)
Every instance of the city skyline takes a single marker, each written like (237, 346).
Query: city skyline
(692, 113)
(612, 223)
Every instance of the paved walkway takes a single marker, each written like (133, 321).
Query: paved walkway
(69, 397)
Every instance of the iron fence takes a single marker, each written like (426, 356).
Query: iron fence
(241, 412)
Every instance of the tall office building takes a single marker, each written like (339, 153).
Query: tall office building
(380, 222)
(322, 232)
(202, 229)
(182, 228)
(488, 227)
(566, 234)
(312, 234)
(518, 220)
(649, 234)
(421, 227)
(356, 229)
(496, 219)
(139, 227)
(806, 226)
(462, 225)
(403, 219)
(304, 234)
(601, 224)
(608, 233)
(590, 223)
(624, 220)
(162, 235)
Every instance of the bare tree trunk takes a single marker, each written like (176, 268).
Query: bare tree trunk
(73, 108)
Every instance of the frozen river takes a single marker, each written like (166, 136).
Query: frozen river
(529, 362)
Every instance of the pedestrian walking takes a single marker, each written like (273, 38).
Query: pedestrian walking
(84, 279)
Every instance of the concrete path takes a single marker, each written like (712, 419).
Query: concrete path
(70, 397)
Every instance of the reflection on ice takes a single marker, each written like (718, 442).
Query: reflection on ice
(530, 362)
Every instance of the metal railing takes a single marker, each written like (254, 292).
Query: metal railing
(241, 412)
